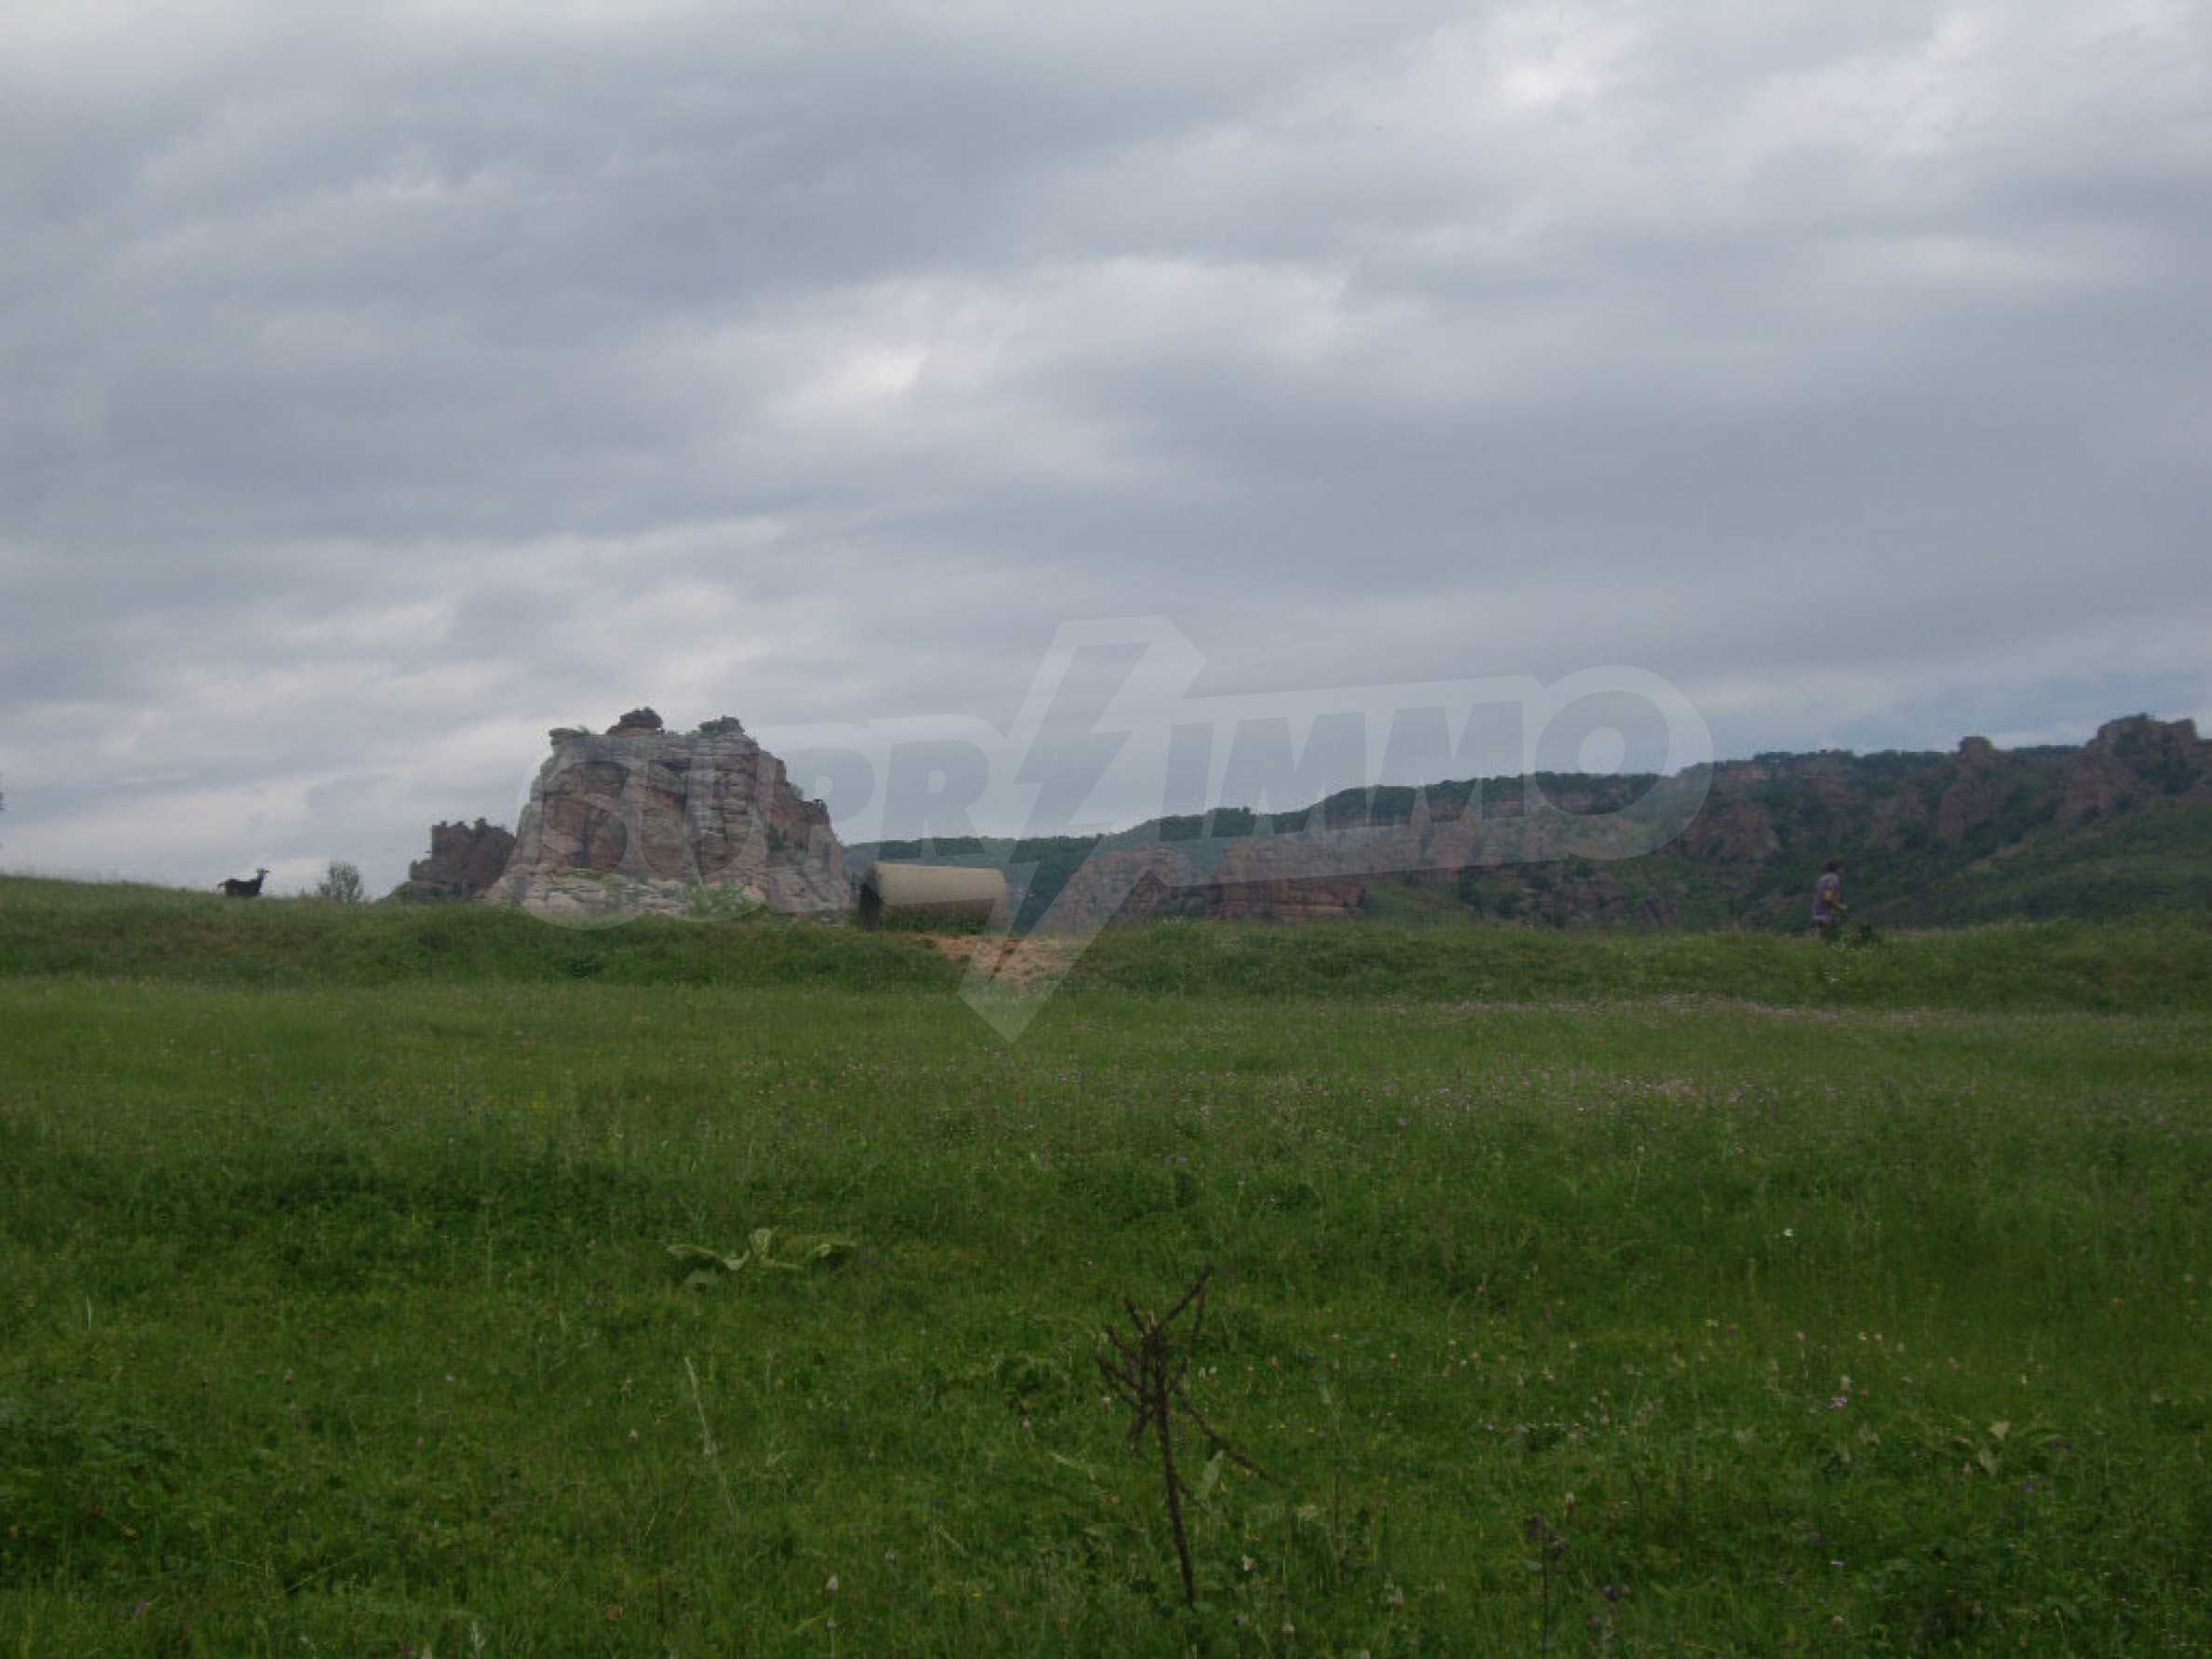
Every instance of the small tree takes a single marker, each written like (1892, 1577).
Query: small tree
(342, 883)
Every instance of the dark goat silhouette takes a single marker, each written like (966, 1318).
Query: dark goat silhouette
(244, 890)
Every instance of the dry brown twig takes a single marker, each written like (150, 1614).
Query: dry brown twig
(1147, 1369)
(1550, 1546)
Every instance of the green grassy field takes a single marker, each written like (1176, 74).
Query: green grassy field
(1816, 1300)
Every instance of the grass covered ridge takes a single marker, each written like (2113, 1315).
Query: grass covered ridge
(2053, 965)
(127, 932)
(122, 931)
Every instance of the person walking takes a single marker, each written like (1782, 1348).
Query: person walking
(1827, 903)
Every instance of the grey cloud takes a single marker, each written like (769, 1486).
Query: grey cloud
(384, 384)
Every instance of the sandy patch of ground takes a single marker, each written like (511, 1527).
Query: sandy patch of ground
(1020, 962)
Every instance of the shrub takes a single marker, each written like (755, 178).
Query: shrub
(341, 882)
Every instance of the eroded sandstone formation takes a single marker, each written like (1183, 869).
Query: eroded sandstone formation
(1976, 794)
(1270, 881)
(465, 860)
(1326, 874)
(1914, 827)
(2134, 761)
(642, 820)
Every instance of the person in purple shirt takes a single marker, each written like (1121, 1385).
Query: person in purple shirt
(1827, 901)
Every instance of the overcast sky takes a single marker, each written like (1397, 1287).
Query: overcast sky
(385, 384)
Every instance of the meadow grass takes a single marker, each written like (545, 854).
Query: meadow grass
(2045, 965)
(133, 932)
(340, 1317)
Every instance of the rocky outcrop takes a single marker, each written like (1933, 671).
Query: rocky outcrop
(2132, 761)
(1269, 879)
(1534, 870)
(2097, 784)
(2167, 753)
(1327, 875)
(1906, 822)
(1975, 797)
(642, 820)
(465, 860)
(1126, 884)
(1274, 879)
(1896, 818)
(1731, 831)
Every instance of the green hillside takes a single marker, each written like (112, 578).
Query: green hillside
(2116, 828)
(2155, 862)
